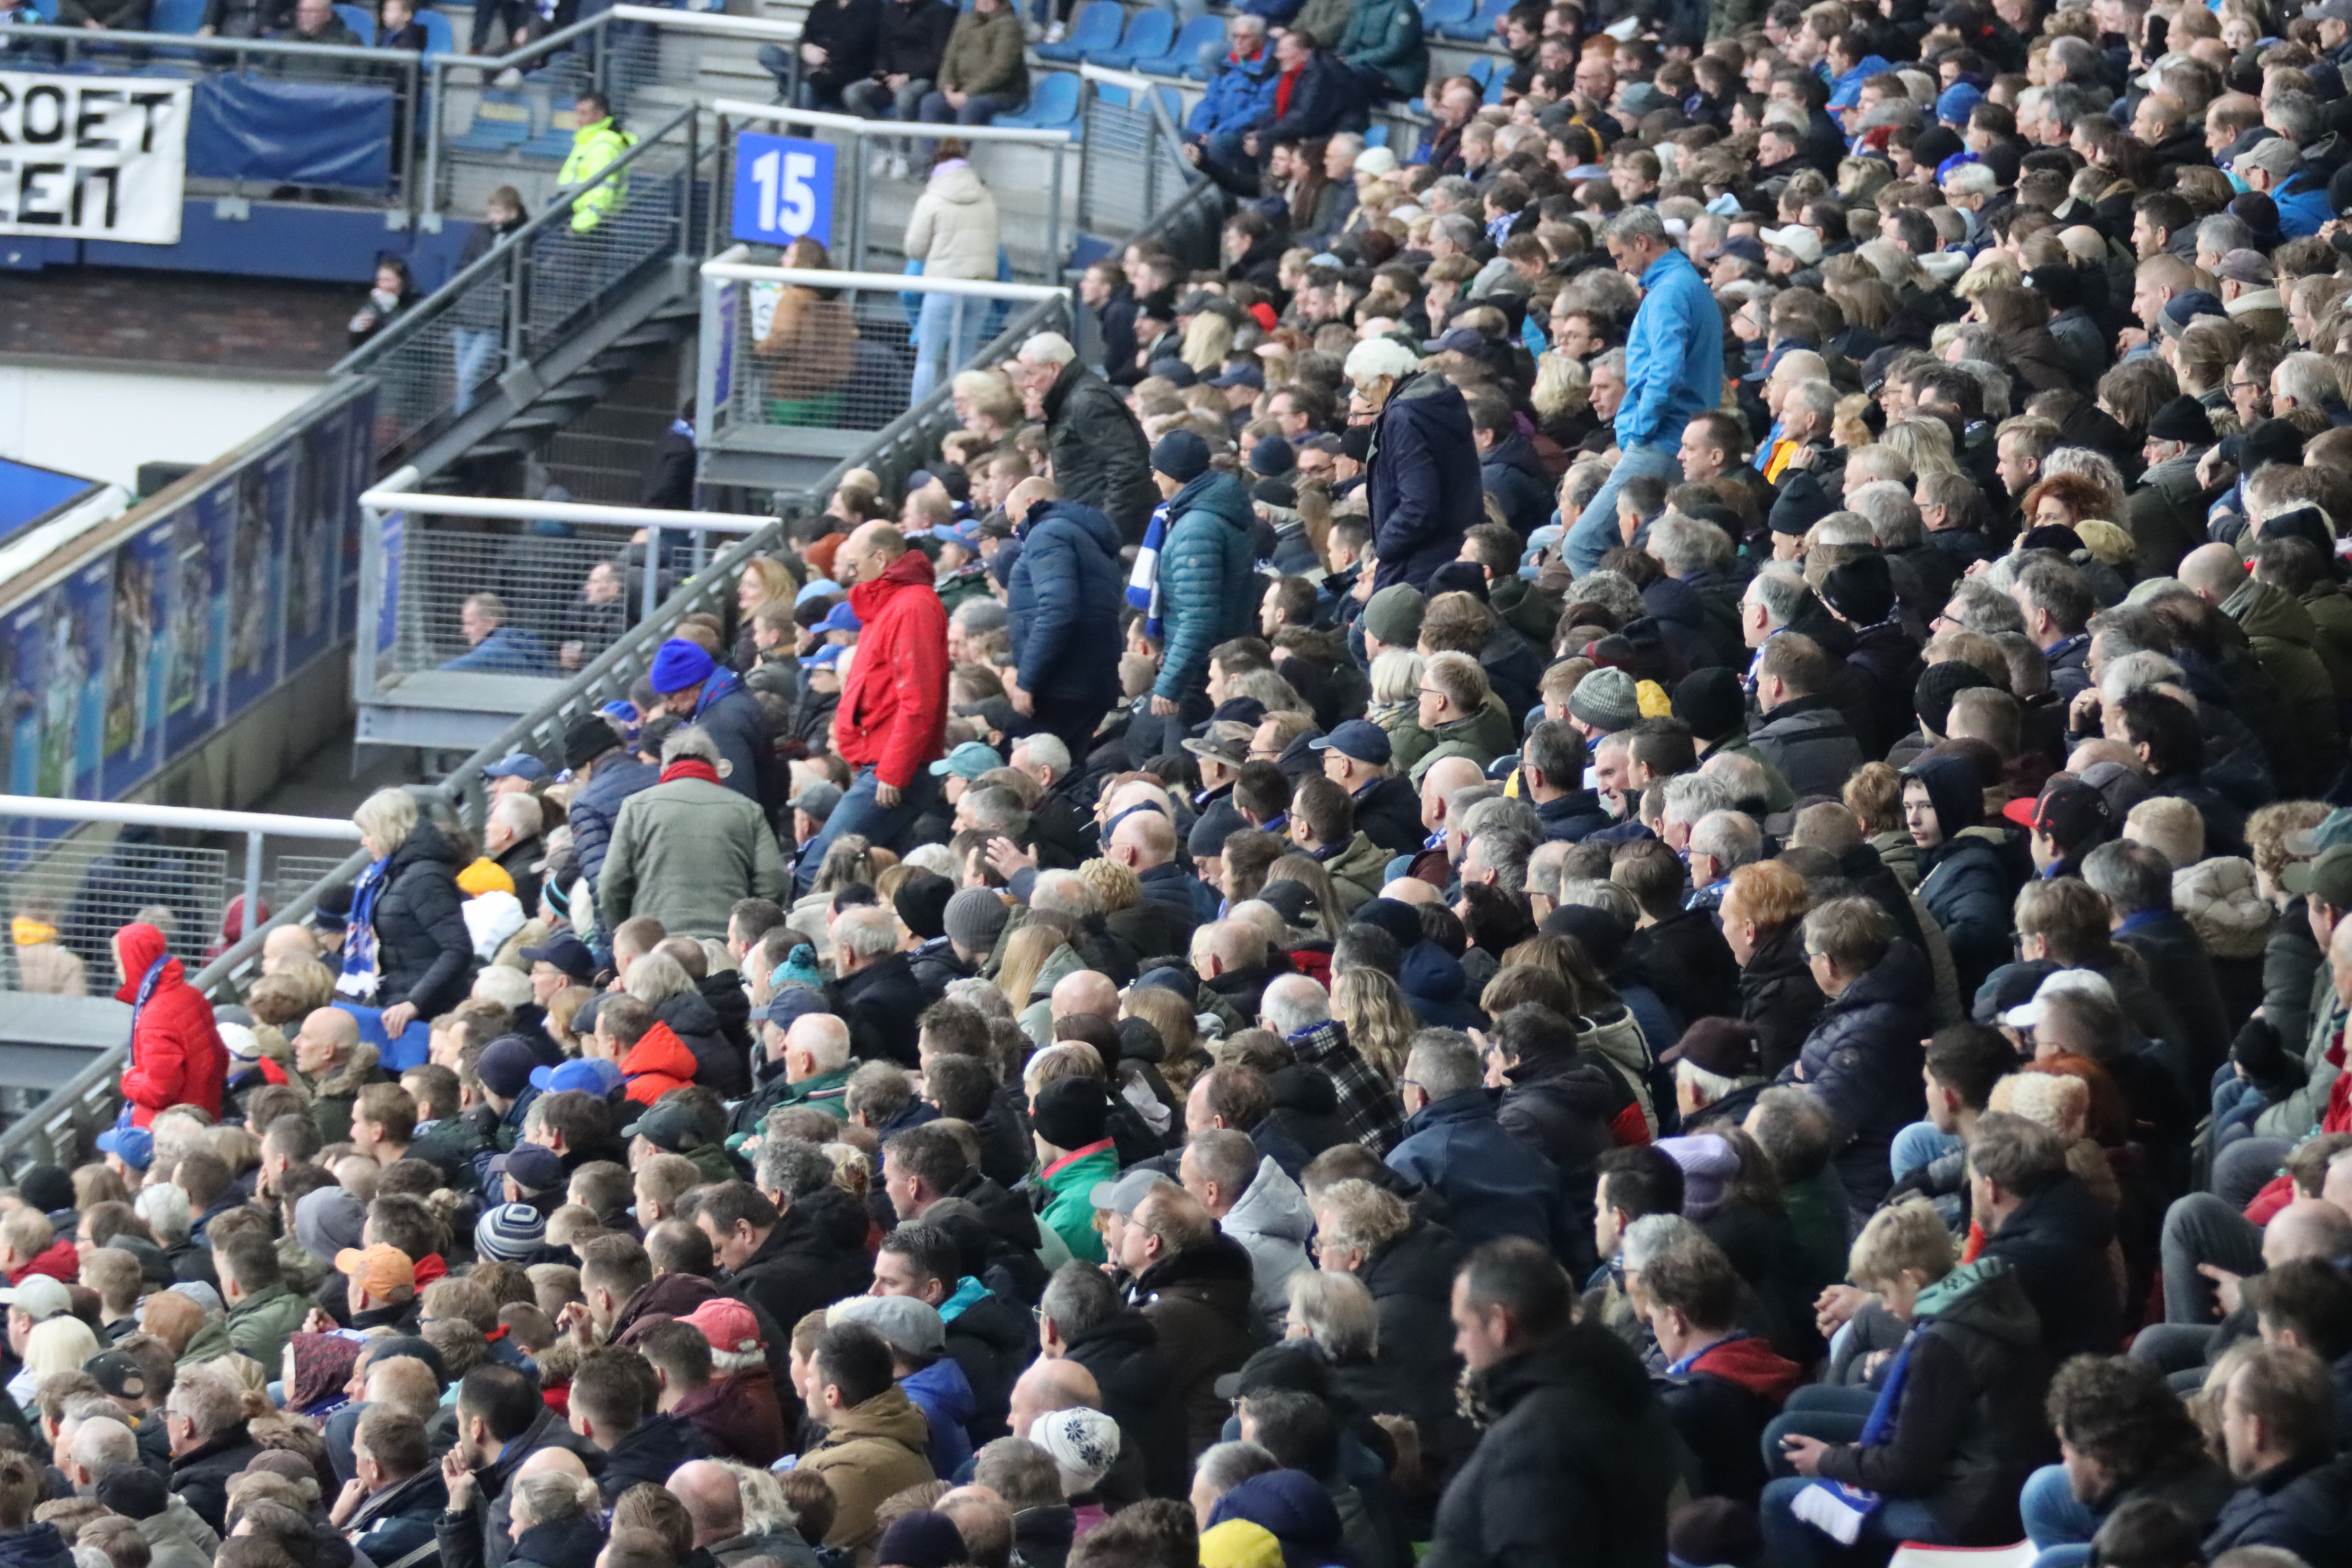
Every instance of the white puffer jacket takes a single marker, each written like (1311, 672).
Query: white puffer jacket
(952, 230)
(2218, 899)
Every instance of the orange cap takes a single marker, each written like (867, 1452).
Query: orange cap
(379, 1269)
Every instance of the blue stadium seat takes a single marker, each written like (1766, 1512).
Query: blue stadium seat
(1438, 14)
(1193, 54)
(358, 20)
(1378, 136)
(440, 38)
(1481, 70)
(181, 17)
(1053, 104)
(1094, 28)
(1496, 80)
(1150, 33)
(1476, 28)
(501, 122)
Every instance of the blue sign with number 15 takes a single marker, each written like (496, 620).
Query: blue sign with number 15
(783, 190)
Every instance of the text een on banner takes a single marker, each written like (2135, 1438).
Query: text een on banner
(86, 157)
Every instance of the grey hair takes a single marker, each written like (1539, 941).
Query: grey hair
(2308, 378)
(2137, 672)
(868, 930)
(1781, 595)
(1224, 1466)
(1887, 504)
(1691, 796)
(996, 809)
(655, 978)
(103, 1445)
(1594, 893)
(165, 1208)
(1063, 893)
(1338, 1312)
(1638, 223)
(695, 741)
(1502, 813)
(1505, 852)
(1730, 839)
(2224, 232)
(1740, 772)
(792, 1166)
(209, 1396)
(1047, 751)
(1684, 544)
(551, 1497)
(1614, 592)
(1293, 1002)
(1653, 1233)
(1444, 1063)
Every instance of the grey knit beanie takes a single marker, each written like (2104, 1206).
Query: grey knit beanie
(975, 918)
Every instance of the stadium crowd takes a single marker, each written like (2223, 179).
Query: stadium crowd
(1632, 847)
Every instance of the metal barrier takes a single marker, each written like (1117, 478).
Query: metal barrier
(1022, 168)
(80, 51)
(1134, 163)
(497, 317)
(565, 590)
(507, 119)
(803, 365)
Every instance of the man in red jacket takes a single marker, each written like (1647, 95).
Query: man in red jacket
(176, 1056)
(893, 715)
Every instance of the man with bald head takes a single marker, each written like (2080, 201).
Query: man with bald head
(1083, 993)
(322, 1051)
(714, 1506)
(983, 1519)
(1437, 786)
(1145, 843)
(1062, 602)
(894, 704)
(1051, 1384)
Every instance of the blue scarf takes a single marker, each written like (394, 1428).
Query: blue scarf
(1839, 1510)
(362, 974)
(1143, 586)
(722, 681)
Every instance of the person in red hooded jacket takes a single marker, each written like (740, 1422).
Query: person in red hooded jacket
(892, 719)
(176, 1056)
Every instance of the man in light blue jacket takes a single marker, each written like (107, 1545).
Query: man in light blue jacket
(1674, 371)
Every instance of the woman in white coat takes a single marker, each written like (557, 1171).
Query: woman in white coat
(953, 233)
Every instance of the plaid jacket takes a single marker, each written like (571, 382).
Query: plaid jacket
(1368, 1103)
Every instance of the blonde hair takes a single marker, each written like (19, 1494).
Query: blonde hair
(59, 1344)
(2169, 825)
(1207, 341)
(774, 578)
(1025, 953)
(1396, 675)
(388, 817)
(1379, 1024)
(1910, 1237)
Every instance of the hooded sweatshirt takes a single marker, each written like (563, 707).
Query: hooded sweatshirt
(656, 1064)
(1271, 1222)
(176, 1056)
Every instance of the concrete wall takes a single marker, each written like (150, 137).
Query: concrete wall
(103, 421)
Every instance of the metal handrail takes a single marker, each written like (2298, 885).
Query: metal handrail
(882, 282)
(716, 23)
(442, 299)
(853, 125)
(111, 39)
(385, 498)
(90, 1087)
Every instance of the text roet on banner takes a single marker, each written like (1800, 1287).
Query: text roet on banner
(92, 157)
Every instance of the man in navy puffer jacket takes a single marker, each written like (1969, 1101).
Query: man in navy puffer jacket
(1062, 602)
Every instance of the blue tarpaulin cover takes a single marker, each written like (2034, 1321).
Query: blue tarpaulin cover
(259, 129)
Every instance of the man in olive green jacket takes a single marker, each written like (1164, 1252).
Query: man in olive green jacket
(262, 1313)
(982, 72)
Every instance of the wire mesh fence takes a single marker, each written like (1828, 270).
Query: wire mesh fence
(847, 358)
(66, 898)
(1130, 168)
(298, 874)
(542, 602)
(532, 291)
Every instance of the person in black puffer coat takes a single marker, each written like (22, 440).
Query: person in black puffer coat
(1961, 879)
(1569, 1106)
(1863, 1060)
(1408, 1265)
(718, 1062)
(1763, 923)
(1063, 599)
(1421, 476)
(812, 1256)
(1081, 1319)
(425, 955)
(1578, 1456)
(1098, 449)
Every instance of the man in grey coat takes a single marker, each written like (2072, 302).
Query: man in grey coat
(688, 850)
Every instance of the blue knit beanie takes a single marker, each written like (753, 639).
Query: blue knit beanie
(678, 664)
(1181, 455)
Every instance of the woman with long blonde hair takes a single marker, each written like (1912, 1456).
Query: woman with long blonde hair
(1025, 953)
(1371, 1007)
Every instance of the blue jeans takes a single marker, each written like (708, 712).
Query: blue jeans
(859, 812)
(1791, 1542)
(1916, 1147)
(2056, 1520)
(947, 335)
(1595, 533)
(474, 349)
(979, 108)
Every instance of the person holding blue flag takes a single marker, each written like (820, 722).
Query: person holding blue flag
(1939, 1449)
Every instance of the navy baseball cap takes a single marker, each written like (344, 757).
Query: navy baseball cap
(568, 953)
(535, 1168)
(1359, 738)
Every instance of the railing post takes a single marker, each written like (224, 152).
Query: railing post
(653, 571)
(435, 88)
(252, 882)
(1054, 219)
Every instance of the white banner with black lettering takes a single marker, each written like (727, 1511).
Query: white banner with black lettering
(92, 157)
